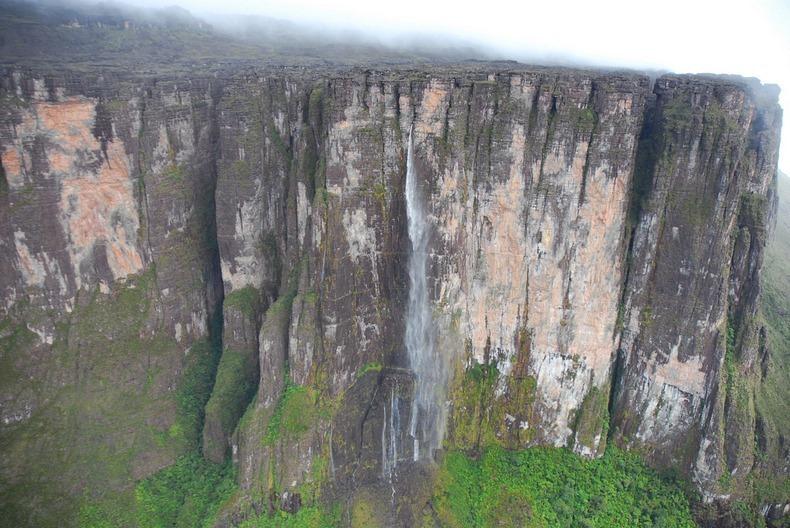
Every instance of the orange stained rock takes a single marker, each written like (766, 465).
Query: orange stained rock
(12, 164)
(95, 205)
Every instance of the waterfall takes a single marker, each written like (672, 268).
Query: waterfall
(389, 442)
(427, 420)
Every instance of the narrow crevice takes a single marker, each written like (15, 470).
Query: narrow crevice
(532, 121)
(143, 204)
(365, 414)
(4, 189)
(645, 163)
(213, 272)
(614, 388)
(469, 96)
(550, 124)
(206, 188)
(396, 95)
(586, 168)
(491, 129)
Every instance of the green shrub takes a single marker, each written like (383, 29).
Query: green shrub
(550, 487)
(234, 387)
(186, 494)
(193, 394)
(309, 517)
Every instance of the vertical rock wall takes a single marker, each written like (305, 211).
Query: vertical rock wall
(707, 168)
(108, 286)
(596, 246)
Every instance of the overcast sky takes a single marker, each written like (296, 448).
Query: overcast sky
(747, 37)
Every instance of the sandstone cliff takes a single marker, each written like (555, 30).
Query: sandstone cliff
(221, 261)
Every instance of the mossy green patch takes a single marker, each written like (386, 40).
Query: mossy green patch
(729, 357)
(14, 336)
(240, 170)
(364, 513)
(246, 300)
(584, 119)
(234, 387)
(175, 172)
(279, 143)
(193, 394)
(718, 119)
(677, 114)
(285, 301)
(373, 366)
(106, 418)
(295, 413)
(592, 419)
(472, 395)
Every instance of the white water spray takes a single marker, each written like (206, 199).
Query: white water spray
(427, 421)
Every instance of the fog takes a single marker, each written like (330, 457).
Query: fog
(745, 37)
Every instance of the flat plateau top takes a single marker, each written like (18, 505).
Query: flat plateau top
(101, 43)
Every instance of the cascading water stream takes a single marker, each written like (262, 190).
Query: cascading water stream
(427, 421)
(428, 410)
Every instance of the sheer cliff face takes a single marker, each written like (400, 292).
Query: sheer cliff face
(594, 242)
(690, 339)
(106, 207)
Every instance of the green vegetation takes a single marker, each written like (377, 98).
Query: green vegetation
(174, 172)
(364, 512)
(14, 336)
(316, 102)
(593, 417)
(584, 119)
(718, 119)
(677, 114)
(548, 487)
(472, 393)
(234, 387)
(184, 495)
(308, 517)
(373, 366)
(240, 170)
(771, 400)
(105, 418)
(646, 316)
(729, 357)
(295, 413)
(696, 210)
(279, 143)
(754, 210)
(193, 393)
(245, 300)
